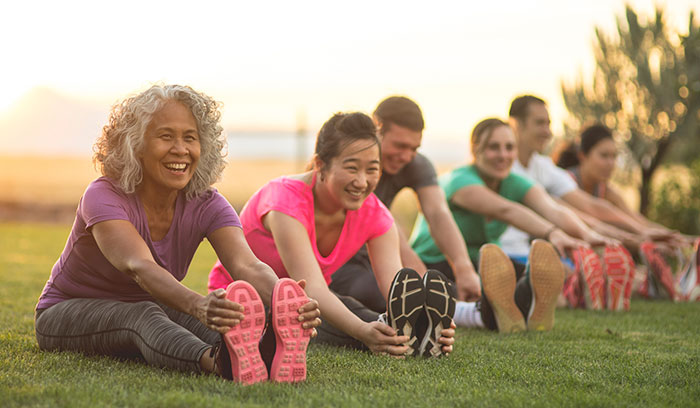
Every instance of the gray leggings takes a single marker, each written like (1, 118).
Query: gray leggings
(164, 337)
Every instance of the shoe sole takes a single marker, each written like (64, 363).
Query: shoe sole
(247, 366)
(440, 308)
(289, 363)
(592, 279)
(546, 281)
(627, 296)
(616, 271)
(659, 270)
(405, 304)
(498, 282)
(688, 282)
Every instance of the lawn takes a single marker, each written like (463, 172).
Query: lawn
(647, 357)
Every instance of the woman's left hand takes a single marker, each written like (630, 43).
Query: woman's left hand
(448, 338)
(309, 313)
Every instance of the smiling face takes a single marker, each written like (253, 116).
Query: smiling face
(534, 132)
(599, 163)
(495, 154)
(171, 148)
(352, 175)
(399, 147)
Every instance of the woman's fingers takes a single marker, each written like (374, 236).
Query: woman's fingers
(310, 307)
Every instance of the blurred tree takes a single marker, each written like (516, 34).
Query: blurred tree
(646, 86)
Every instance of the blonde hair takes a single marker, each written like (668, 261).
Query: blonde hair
(117, 150)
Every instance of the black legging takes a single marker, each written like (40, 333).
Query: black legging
(164, 337)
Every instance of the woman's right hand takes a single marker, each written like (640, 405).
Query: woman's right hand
(382, 339)
(218, 313)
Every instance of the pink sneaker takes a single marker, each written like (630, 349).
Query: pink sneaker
(592, 279)
(247, 366)
(689, 282)
(289, 363)
(630, 279)
(659, 271)
(616, 269)
(572, 285)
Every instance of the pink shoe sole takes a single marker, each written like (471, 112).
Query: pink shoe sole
(660, 271)
(289, 363)
(242, 341)
(593, 281)
(616, 270)
(630, 279)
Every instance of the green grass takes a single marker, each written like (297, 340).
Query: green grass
(647, 357)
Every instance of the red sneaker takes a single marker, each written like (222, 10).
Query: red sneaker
(242, 340)
(616, 270)
(689, 282)
(630, 280)
(289, 363)
(572, 285)
(659, 270)
(593, 280)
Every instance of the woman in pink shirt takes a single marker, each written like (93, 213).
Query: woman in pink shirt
(306, 226)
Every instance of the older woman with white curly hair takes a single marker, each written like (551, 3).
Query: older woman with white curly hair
(116, 288)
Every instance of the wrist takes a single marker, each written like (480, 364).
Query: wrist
(550, 231)
(463, 268)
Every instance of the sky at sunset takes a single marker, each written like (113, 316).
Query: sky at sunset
(274, 64)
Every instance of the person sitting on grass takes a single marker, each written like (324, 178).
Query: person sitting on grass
(485, 197)
(308, 225)
(115, 290)
(591, 164)
(399, 121)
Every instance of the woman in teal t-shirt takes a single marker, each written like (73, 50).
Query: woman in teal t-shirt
(485, 197)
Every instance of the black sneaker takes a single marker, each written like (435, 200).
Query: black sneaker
(405, 305)
(440, 303)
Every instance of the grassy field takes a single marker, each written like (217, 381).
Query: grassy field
(647, 357)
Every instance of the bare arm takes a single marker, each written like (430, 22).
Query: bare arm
(124, 248)
(481, 200)
(295, 250)
(238, 259)
(409, 258)
(542, 203)
(385, 263)
(449, 240)
(383, 254)
(603, 210)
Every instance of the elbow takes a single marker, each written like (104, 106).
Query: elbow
(133, 268)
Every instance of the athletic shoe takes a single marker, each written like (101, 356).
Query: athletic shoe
(405, 305)
(573, 293)
(593, 282)
(291, 339)
(498, 282)
(440, 309)
(659, 271)
(546, 274)
(689, 282)
(627, 295)
(616, 269)
(242, 340)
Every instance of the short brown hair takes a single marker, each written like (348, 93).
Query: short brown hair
(401, 111)
(519, 106)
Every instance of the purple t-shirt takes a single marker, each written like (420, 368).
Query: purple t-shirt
(82, 271)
